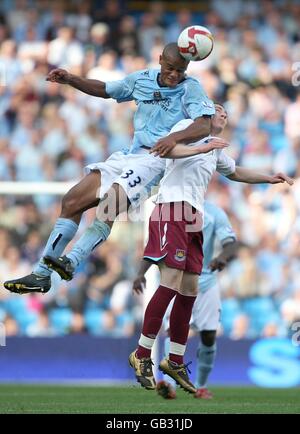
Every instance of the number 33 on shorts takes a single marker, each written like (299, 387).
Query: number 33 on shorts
(131, 182)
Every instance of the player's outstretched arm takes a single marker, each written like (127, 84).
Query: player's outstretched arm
(199, 129)
(91, 87)
(249, 176)
(183, 151)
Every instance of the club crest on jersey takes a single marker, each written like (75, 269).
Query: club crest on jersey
(180, 255)
(157, 95)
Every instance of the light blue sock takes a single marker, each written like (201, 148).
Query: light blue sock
(205, 362)
(95, 235)
(62, 233)
(166, 354)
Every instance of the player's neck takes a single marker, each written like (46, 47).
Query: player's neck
(159, 81)
(215, 132)
(161, 84)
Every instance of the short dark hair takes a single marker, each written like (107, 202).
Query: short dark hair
(172, 50)
(219, 103)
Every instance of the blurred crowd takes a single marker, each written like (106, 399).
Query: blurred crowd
(49, 132)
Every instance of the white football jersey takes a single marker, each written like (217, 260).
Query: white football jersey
(187, 179)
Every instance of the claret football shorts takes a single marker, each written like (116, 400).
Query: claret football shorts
(175, 237)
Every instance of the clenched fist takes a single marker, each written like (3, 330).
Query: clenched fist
(58, 75)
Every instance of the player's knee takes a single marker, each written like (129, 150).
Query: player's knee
(208, 337)
(171, 279)
(107, 209)
(121, 199)
(191, 292)
(69, 205)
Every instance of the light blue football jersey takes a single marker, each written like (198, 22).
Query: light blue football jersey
(216, 226)
(159, 108)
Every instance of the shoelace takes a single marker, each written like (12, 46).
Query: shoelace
(146, 366)
(186, 367)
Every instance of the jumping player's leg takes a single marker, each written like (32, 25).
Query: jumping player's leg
(180, 316)
(157, 306)
(114, 203)
(179, 328)
(192, 257)
(80, 198)
(168, 245)
(130, 188)
(181, 312)
(140, 359)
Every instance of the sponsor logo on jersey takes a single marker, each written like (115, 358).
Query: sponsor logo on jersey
(164, 103)
(180, 255)
(157, 95)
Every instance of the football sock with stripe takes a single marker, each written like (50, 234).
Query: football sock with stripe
(153, 318)
(179, 326)
(62, 233)
(93, 237)
(205, 362)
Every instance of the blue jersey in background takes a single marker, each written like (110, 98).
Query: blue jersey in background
(216, 227)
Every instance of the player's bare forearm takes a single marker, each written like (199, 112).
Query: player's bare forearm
(144, 267)
(89, 86)
(200, 128)
(184, 151)
(249, 176)
(181, 151)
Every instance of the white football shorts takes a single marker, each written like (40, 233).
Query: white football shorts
(136, 173)
(207, 310)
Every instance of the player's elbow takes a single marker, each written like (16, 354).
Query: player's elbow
(231, 248)
(233, 176)
(204, 125)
